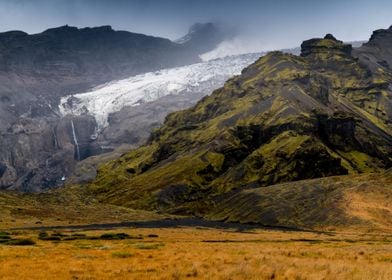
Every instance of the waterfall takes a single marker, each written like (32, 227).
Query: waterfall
(75, 141)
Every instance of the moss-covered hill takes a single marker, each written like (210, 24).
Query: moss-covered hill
(285, 118)
(354, 202)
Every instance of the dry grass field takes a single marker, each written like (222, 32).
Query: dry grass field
(349, 237)
(196, 253)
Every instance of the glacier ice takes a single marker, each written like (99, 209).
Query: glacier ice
(111, 97)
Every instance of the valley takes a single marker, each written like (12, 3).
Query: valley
(130, 156)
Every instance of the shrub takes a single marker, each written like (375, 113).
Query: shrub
(51, 238)
(5, 237)
(111, 236)
(70, 238)
(122, 255)
(78, 234)
(59, 234)
(21, 242)
(42, 234)
(144, 246)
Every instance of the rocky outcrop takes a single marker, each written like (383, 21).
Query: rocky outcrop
(328, 46)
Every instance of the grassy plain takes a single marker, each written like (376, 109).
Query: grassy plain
(197, 253)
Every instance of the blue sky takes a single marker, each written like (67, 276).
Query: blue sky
(264, 24)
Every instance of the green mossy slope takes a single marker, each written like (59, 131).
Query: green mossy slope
(285, 118)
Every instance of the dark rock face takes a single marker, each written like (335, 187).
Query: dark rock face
(38, 154)
(338, 131)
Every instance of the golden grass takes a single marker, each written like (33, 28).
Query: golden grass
(200, 253)
(372, 206)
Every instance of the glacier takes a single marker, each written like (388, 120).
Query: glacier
(111, 97)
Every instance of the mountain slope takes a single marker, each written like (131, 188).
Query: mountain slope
(360, 202)
(285, 118)
(64, 208)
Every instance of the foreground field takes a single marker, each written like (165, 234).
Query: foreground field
(196, 253)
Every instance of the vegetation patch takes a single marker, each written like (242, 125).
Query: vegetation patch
(20, 242)
(59, 236)
(149, 246)
(122, 255)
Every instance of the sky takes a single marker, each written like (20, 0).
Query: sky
(261, 24)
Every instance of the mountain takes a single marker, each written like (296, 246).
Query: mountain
(39, 147)
(285, 118)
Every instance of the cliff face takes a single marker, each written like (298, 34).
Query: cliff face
(38, 154)
(285, 118)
